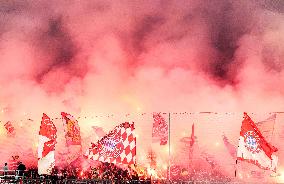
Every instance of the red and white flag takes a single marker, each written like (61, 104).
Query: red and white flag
(230, 147)
(46, 146)
(118, 146)
(160, 129)
(175, 172)
(10, 129)
(253, 147)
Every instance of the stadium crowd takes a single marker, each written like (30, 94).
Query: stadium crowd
(110, 173)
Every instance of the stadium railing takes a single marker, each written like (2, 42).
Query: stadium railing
(10, 174)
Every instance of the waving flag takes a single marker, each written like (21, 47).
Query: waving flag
(160, 129)
(73, 138)
(13, 162)
(189, 142)
(253, 147)
(230, 147)
(10, 129)
(192, 137)
(266, 127)
(175, 171)
(118, 146)
(72, 135)
(46, 146)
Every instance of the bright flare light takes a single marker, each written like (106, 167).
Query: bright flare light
(165, 166)
(280, 176)
(172, 149)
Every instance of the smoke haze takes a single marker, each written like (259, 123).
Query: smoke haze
(118, 57)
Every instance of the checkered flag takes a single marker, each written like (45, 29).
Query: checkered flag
(118, 146)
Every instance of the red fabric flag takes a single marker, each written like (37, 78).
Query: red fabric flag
(160, 129)
(192, 137)
(72, 135)
(230, 147)
(10, 128)
(175, 171)
(189, 141)
(118, 146)
(13, 162)
(254, 148)
(46, 147)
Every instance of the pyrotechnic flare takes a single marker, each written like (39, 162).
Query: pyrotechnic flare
(118, 146)
(46, 146)
(253, 147)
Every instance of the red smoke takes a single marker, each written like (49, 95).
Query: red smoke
(113, 57)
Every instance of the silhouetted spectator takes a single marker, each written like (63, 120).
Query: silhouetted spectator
(21, 168)
(5, 168)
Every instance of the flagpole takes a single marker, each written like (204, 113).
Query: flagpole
(169, 161)
(273, 130)
(236, 168)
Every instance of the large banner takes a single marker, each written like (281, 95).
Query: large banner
(118, 146)
(253, 147)
(46, 146)
(160, 129)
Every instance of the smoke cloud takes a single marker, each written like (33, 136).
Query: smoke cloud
(110, 57)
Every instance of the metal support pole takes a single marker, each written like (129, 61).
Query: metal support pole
(169, 161)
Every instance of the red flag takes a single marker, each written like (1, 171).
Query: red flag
(72, 135)
(13, 162)
(10, 128)
(46, 147)
(160, 129)
(189, 141)
(118, 146)
(192, 137)
(230, 147)
(175, 171)
(254, 148)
